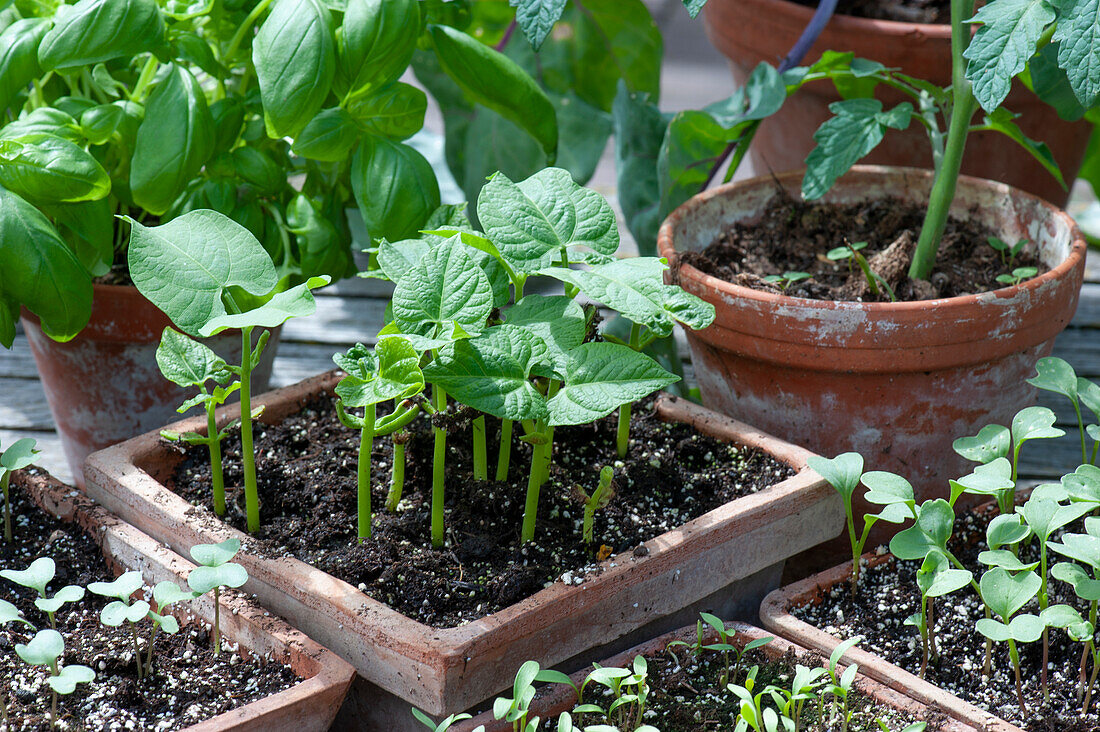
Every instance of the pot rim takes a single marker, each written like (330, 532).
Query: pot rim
(666, 246)
(842, 23)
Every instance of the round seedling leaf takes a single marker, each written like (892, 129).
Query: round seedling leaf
(20, 454)
(887, 488)
(1054, 374)
(936, 519)
(9, 613)
(994, 630)
(1082, 484)
(1083, 548)
(1005, 529)
(169, 593)
(65, 682)
(204, 579)
(946, 581)
(1044, 517)
(1081, 632)
(125, 585)
(186, 362)
(166, 623)
(212, 555)
(1034, 423)
(1005, 559)
(1006, 593)
(1026, 628)
(44, 649)
(117, 612)
(36, 576)
(69, 593)
(992, 441)
(842, 472)
(1060, 616)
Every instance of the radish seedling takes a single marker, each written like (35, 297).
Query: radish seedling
(390, 372)
(1008, 252)
(445, 724)
(208, 273)
(1018, 275)
(188, 363)
(122, 609)
(36, 577)
(164, 594)
(1084, 549)
(935, 578)
(20, 454)
(45, 649)
(1056, 375)
(785, 280)
(1005, 594)
(214, 572)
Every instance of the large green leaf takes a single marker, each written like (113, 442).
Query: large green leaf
(446, 288)
(295, 58)
(38, 271)
(46, 121)
(1002, 46)
(583, 131)
(377, 41)
(92, 31)
(394, 186)
(537, 17)
(396, 111)
(635, 287)
(397, 375)
(601, 378)
(558, 320)
(490, 78)
(321, 250)
(533, 222)
(857, 128)
(1078, 36)
(186, 266)
(615, 39)
(46, 169)
(186, 362)
(639, 133)
(328, 137)
(19, 57)
(175, 140)
(491, 373)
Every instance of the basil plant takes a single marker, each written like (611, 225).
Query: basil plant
(464, 330)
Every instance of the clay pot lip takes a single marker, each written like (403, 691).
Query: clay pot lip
(841, 23)
(321, 672)
(667, 249)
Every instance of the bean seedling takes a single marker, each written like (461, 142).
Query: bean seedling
(20, 454)
(214, 572)
(599, 499)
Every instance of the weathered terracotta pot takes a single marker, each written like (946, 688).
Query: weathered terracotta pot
(750, 31)
(706, 563)
(549, 704)
(775, 615)
(309, 706)
(896, 382)
(104, 386)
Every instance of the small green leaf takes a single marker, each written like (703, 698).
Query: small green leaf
(293, 303)
(842, 472)
(1006, 593)
(69, 593)
(989, 479)
(1083, 484)
(398, 375)
(445, 289)
(20, 454)
(203, 579)
(122, 587)
(994, 630)
(1005, 559)
(1006, 529)
(328, 137)
(186, 362)
(118, 612)
(1044, 517)
(1078, 36)
(887, 488)
(11, 614)
(857, 128)
(537, 17)
(1083, 548)
(43, 650)
(36, 576)
(1033, 423)
(992, 441)
(215, 555)
(1060, 616)
(1026, 628)
(936, 519)
(1001, 120)
(601, 378)
(169, 593)
(761, 97)
(167, 623)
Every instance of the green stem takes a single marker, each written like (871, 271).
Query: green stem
(53, 711)
(215, 446)
(217, 621)
(962, 109)
(242, 31)
(1014, 656)
(1081, 431)
(4, 482)
(439, 397)
(248, 455)
(481, 461)
(149, 650)
(622, 441)
(366, 447)
(137, 651)
(504, 458)
(397, 481)
(539, 458)
(148, 73)
(551, 391)
(741, 150)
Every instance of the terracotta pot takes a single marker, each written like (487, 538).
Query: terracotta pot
(104, 386)
(549, 704)
(775, 615)
(309, 706)
(750, 31)
(896, 382)
(442, 670)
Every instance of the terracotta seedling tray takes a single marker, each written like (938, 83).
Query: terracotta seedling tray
(444, 670)
(309, 706)
(775, 615)
(562, 698)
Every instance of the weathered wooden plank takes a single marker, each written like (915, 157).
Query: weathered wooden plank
(338, 320)
(18, 361)
(23, 405)
(298, 361)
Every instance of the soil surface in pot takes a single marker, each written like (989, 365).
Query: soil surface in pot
(189, 683)
(794, 236)
(888, 595)
(902, 11)
(307, 483)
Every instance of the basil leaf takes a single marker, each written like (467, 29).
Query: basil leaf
(376, 44)
(19, 57)
(47, 169)
(397, 111)
(45, 121)
(490, 78)
(320, 248)
(537, 17)
(394, 186)
(601, 378)
(88, 228)
(295, 57)
(39, 272)
(1002, 46)
(100, 30)
(174, 141)
(328, 137)
(639, 133)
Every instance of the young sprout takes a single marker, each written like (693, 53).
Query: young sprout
(9, 614)
(446, 724)
(515, 709)
(45, 649)
(164, 594)
(846, 253)
(188, 363)
(600, 498)
(1056, 375)
(20, 454)
(840, 685)
(214, 572)
(752, 713)
(935, 578)
(39, 574)
(1019, 274)
(785, 280)
(391, 372)
(629, 693)
(1005, 594)
(1007, 251)
(805, 686)
(122, 609)
(851, 253)
(1085, 549)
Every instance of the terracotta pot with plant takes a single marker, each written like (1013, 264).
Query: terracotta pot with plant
(840, 344)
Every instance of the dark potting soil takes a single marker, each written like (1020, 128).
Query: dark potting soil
(903, 11)
(794, 236)
(189, 683)
(888, 594)
(306, 470)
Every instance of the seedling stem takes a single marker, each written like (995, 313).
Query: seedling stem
(366, 447)
(481, 461)
(248, 455)
(623, 437)
(505, 455)
(439, 397)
